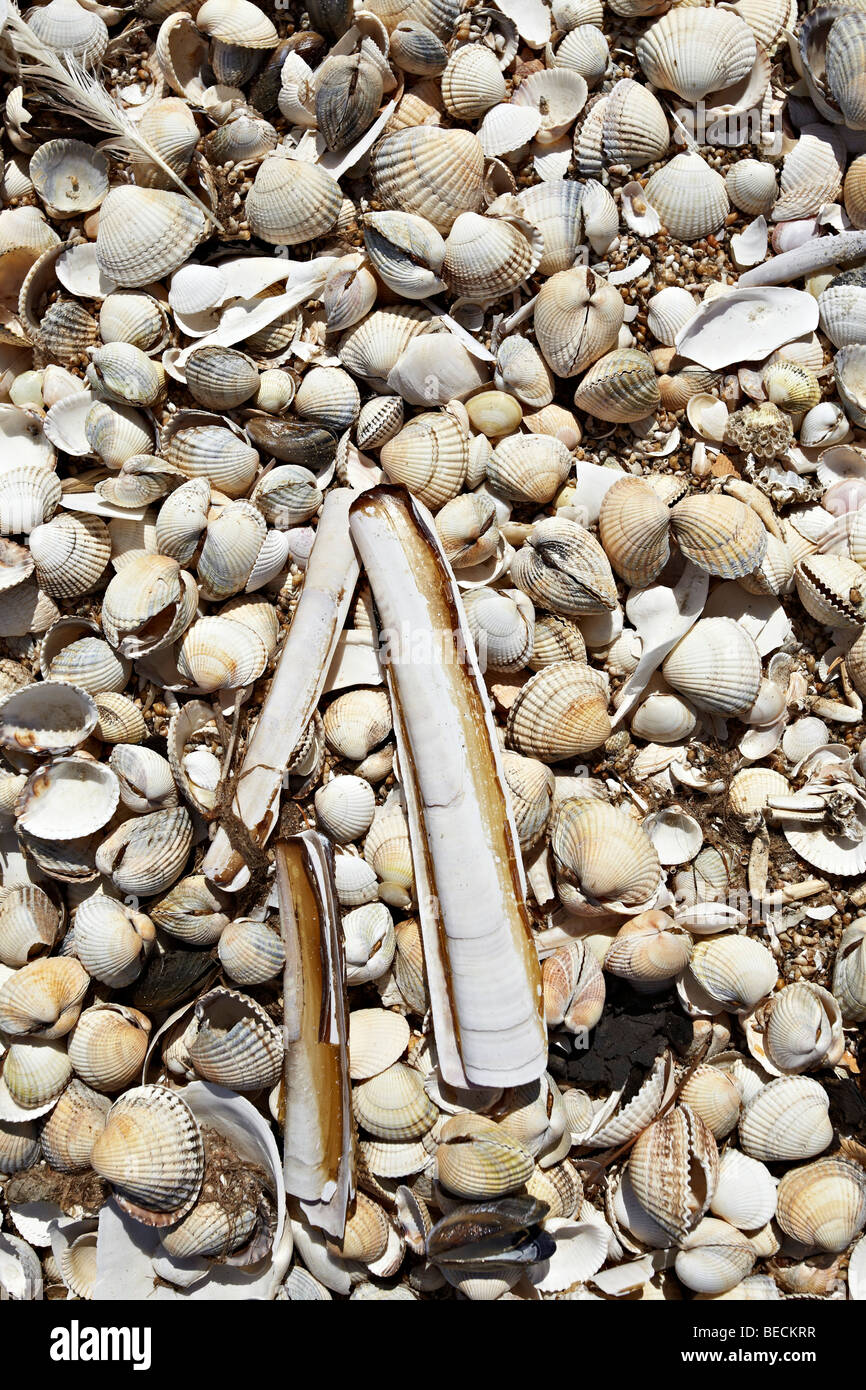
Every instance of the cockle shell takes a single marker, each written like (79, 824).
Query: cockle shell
(528, 467)
(713, 1096)
(751, 186)
(555, 208)
(112, 941)
(29, 925)
(75, 1123)
(716, 666)
(592, 872)
(233, 1042)
(146, 233)
(430, 456)
(561, 712)
(151, 1152)
(574, 989)
(823, 1204)
(70, 798)
(633, 526)
(472, 82)
(43, 998)
(690, 198)
(436, 173)
(714, 1258)
(620, 387)
(488, 257)
(291, 201)
(719, 534)
(393, 1105)
(746, 1192)
(107, 1046)
(849, 972)
(635, 129)
(694, 53)
(735, 970)
(563, 568)
(502, 630)
(831, 588)
(477, 1158)
(407, 252)
(577, 319)
(799, 1028)
(674, 1168)
(649, 949)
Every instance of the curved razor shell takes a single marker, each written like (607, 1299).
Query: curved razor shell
(318, 1129)
(331, 575)
(483, 971)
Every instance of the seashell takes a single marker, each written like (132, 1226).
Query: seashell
(528, 467)
(29, 925)
(193, 911)
(393, 1104)
(842, 309)
(378, 421)
(848, 367)
(387, 851)
(406, 251)
(435, 173)
(478, 1159)
(554, 208)
(67, 27)
(745, 1195)
(791, 387)
(243, 140)
(649, 949)
(674, 1168)
(521, 370)
(45, 805)
(169, 128)
(19, 1149)
(88, 663)
(735, 970)
(502, 631)
(43, 998)
(107, 1046)
(348, 95)
(232, 543)
(716, 666)
(594, 867)
(291, 201)
(472, 82)
(830, 588)
(676, 835)
(488, 257)
(144, 605)
(798, 1029)
(635, 129)
(219, 654)
(663, 718)
(429, 456)
(116, 433)
(368, 929)
(182, 519)
(563, 568)
(530, 786)
(70, 553)
(694, 54)
(849, 972)
(251, 952)
(151, 1152)
(823, 1204)
(415, 49)
(145, 234)
(220, 378)
(854, 192)
(34, 1077)
(561, 712)
(73, 1126)
(633, 527)
(357, 722)
(67, 330)
(751, 789)
(128, 317)
(577, 319)
(112, 941)
(719, 534)
(494, 413)
(51, 717)
(751, 186)
(584, 49)
(233, 1042)
(619, 387)
(468, 530)
(714, 1258)
(690, 198)
(344, 808)
(574, 990)
(374, 347)
(329, 397)
(146, 855)
(668, 312)
(69, 176)
(811, 174)
(28, 497)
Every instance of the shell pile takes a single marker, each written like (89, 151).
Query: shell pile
(433, 618)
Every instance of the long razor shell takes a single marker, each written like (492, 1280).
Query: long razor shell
(331, 576)
(484, 976)
(318, 1128)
